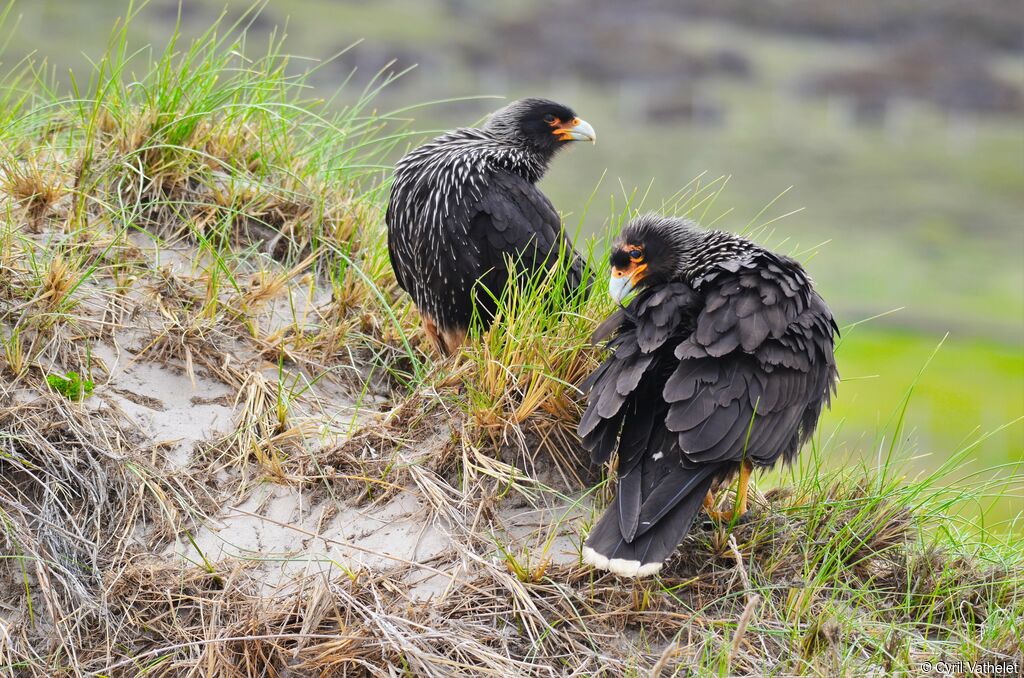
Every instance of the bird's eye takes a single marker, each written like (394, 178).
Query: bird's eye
(636, 255)
(550, 119)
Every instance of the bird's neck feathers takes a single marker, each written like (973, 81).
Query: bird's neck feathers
(708, 250)
(514, 154)
(526, 162)
(526, 158)
(480, 149)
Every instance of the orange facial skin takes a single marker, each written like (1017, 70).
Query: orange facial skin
(629, 262)
(576, 129)
(628, 268)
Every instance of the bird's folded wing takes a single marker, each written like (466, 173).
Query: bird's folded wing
(758, 363)
(513, 219)
(632, 373)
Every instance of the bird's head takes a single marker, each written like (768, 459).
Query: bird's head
(542, 125)
(651, 250)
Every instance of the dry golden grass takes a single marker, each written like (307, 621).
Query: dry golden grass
(31, 186)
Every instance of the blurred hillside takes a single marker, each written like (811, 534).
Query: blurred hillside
(897, 123)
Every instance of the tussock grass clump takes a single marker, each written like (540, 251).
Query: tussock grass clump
(74, 500)
(216, 151)
(31, 187)
(516, 384)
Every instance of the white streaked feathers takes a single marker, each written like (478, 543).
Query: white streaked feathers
(432, 183)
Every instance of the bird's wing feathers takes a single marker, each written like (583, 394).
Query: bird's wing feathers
(625, 410)
(516, 220)
(758, 364)
(640, 354)
(435, 192)
(608, 327)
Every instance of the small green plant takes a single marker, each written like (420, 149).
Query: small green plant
(70, 385)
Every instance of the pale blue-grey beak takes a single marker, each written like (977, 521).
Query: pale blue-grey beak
(619, 287)
(577, 130)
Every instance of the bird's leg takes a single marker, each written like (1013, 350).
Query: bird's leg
(430, 328)
(446, 341)
(741, 494)
(453, 339)
(740, 505)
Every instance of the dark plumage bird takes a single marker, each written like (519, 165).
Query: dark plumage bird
(464, 204)
(720, 363)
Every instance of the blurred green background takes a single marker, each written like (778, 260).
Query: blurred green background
(899, 125)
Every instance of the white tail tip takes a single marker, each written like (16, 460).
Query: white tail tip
(619, 566)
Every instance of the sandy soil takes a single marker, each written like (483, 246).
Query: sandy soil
(282, 528)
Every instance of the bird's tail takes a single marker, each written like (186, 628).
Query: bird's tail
(608, 549)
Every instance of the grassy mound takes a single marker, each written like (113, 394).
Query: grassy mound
(263, 470)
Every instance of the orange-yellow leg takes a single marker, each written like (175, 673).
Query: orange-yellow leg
(430, 328)
(740, 505)
(453, 340)
(447, 342)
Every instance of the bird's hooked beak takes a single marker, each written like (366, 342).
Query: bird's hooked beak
(576, 130)
(625, 280)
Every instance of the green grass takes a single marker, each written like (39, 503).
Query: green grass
(970, 393)
(877, 364)
(71, 386)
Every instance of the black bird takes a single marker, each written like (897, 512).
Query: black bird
(720, 363)
(464, 204)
